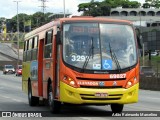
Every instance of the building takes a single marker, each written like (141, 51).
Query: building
(59, 15)
(146, 20)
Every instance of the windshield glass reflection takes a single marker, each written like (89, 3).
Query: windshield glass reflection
(96, 46)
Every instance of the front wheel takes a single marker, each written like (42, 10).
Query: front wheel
(33, 101)
(117, 108)
(54, 105)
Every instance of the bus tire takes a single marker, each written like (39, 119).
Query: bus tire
(117, 108)
(54, 105)
(33, 101)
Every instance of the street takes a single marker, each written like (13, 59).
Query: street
(12, 98)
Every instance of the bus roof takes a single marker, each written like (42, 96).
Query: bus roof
(96, 19)
(73, 19)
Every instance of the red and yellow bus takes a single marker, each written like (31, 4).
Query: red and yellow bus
(82, 60)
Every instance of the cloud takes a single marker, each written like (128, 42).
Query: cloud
(9, 7)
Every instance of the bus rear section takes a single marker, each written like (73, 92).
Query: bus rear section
(95, 62)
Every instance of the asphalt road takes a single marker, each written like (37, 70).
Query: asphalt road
(12, 98)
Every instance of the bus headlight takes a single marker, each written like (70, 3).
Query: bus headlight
(131, 82)
(72, 83)
(69, 81)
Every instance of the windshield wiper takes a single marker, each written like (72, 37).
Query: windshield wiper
(114, 57)
(89, 55)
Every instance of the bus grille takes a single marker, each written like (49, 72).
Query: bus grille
(100, 79)
(109, 97)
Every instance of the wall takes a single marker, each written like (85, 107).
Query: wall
(152, 83)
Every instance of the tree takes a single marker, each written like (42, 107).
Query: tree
(2, 20)
(146, 5)
(126, 4)
(94, 8)
(39, 18)
(103, 8)
(84, 7)
(135, 4)
(21, 18)
(153, 3)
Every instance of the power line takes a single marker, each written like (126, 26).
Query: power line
(43, 5)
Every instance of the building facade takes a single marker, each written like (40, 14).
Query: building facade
(146, 20)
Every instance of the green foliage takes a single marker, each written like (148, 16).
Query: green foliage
(103, 8)
(13, 22)
(146, 5)
(37, 19)
(135, 4)
(125, 4)
(151, 3)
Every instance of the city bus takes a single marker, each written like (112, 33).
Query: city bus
(82, 61)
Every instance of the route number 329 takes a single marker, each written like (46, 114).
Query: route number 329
(78, 58)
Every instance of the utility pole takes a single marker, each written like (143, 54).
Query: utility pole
(43, 5)
(141, 38)
(64, 8)
(17, 32)
(151, 40)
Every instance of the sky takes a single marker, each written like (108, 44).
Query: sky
(8, 8)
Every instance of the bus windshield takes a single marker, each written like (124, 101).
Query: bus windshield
(99, 46)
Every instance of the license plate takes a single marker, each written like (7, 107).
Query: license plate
(102, 95)
(148, 76)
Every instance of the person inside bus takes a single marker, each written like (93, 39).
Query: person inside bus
(122, 48)
(68, 48)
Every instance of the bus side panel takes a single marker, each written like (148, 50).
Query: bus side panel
(40, 68)
(48, 74)
(54, 50)
(25, 76)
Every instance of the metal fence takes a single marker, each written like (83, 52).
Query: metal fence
(151, 83)
(6, 37)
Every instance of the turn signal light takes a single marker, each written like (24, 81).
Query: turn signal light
(131, 82)
(69, 81)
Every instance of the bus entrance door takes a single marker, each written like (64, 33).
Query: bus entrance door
(40, 67)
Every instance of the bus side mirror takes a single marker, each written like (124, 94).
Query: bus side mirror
(59, 37)
(139, 41)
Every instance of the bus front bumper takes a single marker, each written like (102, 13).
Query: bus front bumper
(72, 95)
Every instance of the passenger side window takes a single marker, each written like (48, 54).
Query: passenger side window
(35, 46)
(29, 49)
(48, 44)
(25, 50)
